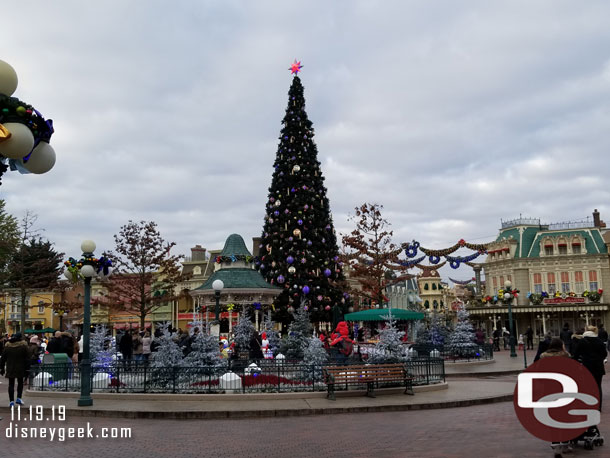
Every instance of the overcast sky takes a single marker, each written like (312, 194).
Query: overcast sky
(453, 115)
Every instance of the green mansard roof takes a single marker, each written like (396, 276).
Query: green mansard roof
(529, 237)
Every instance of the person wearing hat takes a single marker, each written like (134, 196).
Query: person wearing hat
(14, 362)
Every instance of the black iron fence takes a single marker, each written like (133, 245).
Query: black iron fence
(237, 377)
(475, 353)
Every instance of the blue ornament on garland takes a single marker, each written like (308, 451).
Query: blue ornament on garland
(289, 259)
(327, 272)
(280, 279)
(305, 289)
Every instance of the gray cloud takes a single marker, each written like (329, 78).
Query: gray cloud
(453, 116)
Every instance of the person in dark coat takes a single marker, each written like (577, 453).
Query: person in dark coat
(529, 334)
(126, 348)
(603, 334)
(543, 346)
(566, 336)
(256, 346)
(55, 343)
(591, 352)
(14, 363)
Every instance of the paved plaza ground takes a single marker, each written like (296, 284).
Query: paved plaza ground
(489, 430)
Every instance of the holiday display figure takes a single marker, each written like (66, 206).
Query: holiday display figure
(298, 250)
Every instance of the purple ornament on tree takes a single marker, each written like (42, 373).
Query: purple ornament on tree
(319, 298)
(280, 279)
(305, 289)
(300, 222)
(289, 259)
(276, 213)
(309, 243)
(327, 272)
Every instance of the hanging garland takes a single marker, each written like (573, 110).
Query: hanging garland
(411, 248)
(233, 258)
(461, 282)
(434, 256)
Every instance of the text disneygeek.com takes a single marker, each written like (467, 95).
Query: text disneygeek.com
(32, 423)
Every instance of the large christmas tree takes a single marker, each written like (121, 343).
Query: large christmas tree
(299, 247)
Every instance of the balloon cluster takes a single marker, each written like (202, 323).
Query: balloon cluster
(24, 132)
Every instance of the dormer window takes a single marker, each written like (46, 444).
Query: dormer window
(197, 270)
(562, 246)
(548, 250)
(576, 246)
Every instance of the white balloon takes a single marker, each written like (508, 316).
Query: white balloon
(42, 159)
(8, 79)
(20, 142)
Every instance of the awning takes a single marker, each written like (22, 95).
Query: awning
(382, 315)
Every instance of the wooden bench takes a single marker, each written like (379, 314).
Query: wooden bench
(366, 373)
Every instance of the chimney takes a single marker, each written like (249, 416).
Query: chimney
(597, 222)
(256, 241)
(198, 253)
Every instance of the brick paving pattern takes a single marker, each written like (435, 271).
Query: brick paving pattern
(484, 430)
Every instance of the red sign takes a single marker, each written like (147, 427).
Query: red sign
(567, 300)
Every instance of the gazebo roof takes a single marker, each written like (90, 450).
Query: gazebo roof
(242, 278)
(235, 246)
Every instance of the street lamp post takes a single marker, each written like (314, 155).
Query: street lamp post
(508, 298)
(87, 268)
(217, 286)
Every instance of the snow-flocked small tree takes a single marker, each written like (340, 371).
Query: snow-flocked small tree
(461, 340)
(272, 335)
(435, 335)
(314, 357)
(204, 352)
(102, 353)
(389, 349)
(294, 344)
(169, 353)
(242, 332)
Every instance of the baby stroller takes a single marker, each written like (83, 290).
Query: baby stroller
(590, 438)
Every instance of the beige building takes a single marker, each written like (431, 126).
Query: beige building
(558, 269)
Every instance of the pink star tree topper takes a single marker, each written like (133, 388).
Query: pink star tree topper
(295, 68)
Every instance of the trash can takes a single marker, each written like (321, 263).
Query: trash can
(59, 365)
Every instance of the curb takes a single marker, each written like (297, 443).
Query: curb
(237, 414)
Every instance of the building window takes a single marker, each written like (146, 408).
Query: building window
(579, 284)
(495, 282)
(435, 304)
(562, 248)
(41, 309)
(538, 283)
(548, 250)
(576, 248)
(593, 280)
(427, 304)
(434, 286)
(550, 280)
(502, 281)
(565, 282)
(197, 270)
(426, 286)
